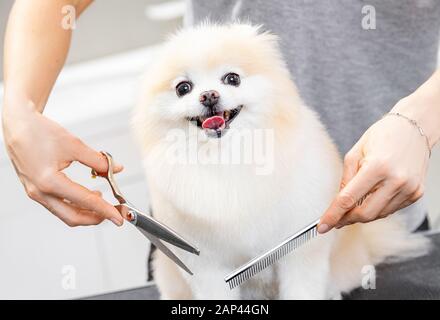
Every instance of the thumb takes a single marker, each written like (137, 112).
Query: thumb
(94, 159)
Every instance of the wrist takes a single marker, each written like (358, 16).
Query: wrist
(16, 105)
(415, 125)
(16, 113)
(423, 106)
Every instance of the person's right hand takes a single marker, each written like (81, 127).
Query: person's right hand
(40, 149)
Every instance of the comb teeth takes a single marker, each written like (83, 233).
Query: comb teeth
(265, 260)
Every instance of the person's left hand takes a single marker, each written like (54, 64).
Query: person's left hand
(388, 164)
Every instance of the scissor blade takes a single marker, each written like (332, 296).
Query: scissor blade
(160, 230)
(159, 245)
(164, 233)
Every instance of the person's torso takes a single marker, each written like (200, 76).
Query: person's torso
(351, 60)
(350, 74)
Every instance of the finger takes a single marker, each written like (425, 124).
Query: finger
(98, 193)
(351, 165)
(360, 185)
(64, 188)
(371, 207)
(402, 201)
(394, 205)
(94, 159)
(70, 215)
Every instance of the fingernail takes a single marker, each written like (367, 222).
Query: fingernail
(116, 221)
(323, 228)
(118, 166)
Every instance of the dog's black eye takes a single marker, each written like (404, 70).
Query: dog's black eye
(183, 88)
(232, 79)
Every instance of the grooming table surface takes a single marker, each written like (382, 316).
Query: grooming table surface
(414, 279)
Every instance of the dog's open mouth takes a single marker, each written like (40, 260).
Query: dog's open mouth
(215, 125)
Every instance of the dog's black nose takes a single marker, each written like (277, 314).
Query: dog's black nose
(209, 98)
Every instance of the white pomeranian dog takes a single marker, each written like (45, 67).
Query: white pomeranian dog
(236, 163)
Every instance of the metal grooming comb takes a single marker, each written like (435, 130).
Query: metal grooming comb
(268, 258)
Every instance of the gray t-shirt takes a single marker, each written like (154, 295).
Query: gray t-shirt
(352, 60)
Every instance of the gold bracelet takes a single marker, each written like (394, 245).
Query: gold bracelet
(415, 124)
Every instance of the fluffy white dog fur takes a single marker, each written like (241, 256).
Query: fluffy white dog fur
(231, 211)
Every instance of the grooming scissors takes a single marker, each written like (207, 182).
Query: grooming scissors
(152, 229)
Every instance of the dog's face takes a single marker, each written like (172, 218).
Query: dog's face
(215, 78)
(213, 99)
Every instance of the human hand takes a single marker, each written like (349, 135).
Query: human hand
(40, 150)
(387, 165)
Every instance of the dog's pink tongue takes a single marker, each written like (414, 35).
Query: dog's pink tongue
(215, 123)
